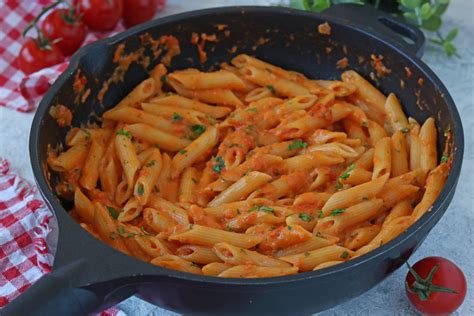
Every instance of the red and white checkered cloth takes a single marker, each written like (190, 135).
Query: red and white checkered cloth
(24, 227)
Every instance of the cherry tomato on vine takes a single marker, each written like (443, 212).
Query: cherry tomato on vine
(65, 26)
(435, 286)
(138, 11)
(101, 15)
(35, 55)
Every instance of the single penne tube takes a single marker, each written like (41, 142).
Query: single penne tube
(382, 158)
(197, 254)
(361, 236)
(310, 161)
(341, 219)
(402, 208)
(399, 154)
(148, 176)
(428, 151)
(434, 184)
(194, 151)
(300, 102)
(323, 136)
(285, 185)
(252, 271)
(185, 103)
(254, 216)
(158, 220)
(239, 256)
(336, 149)
(327, 264)
(126, 233)
(106, 228)
(376, 132)
(157, 74)
(140, 93)
(283, 87)
(218, 211)
(309, 260)
(131, 210)
(357, 176)
(127, 155)
(341, 89)
(132, 115)
(309, 245)
(90, 172)
(392, 195)
(208, 80)
(215, 268)
(176, 263)
(70, 159)
(241, 189)
(281, 149)
(151, 245)
(366, 160)
(83, 206)
(173, 211)
(155, 136)
(354, 195)
(207, 236)
(188, 185)
(415, 148)
(370, 95)
(257, 94)
(396, 118)
(84, 135)
(163, 178)
(167, 111)
(223, 97)
(123, 192)
(248, 85)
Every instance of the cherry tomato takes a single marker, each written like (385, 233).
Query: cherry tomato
(101, 15)
(63, 25)
(435, 286)
(138, 11)
(35, 56)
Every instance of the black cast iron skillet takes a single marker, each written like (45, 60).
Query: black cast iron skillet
(89, 276)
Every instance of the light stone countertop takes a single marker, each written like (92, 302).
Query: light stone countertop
(451, 238)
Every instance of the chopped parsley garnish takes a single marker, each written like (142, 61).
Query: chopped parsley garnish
(194, 180)
(405, 130)
(318, 234)
(344, 255)
(145, 233)
(121, 231)
(444, 159)
(112, 212)
(151, 163)
(211, 120)
(140, 189)
(320, 214)
(306, 254)
(338, 184)
(124, 133)
(289, 227)
(338, 211)
(198, 129)
(272, 89)
(297, 144)
(88, 134)
(345, 175)
(365, 123)
(220, 164)
(255, 110)
(182, 151)
(164, 79)
(267, 209)
(176, 117)
(447, 130)
(112, 235)
(305, 217)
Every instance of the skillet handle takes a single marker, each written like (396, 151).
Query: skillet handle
(390, 27)
(54, 294)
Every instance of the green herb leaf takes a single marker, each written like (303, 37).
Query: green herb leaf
(297, 144)
(267, 209)
(346, 174)
(339, 184)
(320, 214)
(220, 164)
(289, 227)
(112, 212)
(140, 189)
(121, 231)
(198, 129)
(338, 211)
(344, 255)
(255, 110)
(305, 217)
(195, 181)
(124, 133)
(365, 123)
(164, 79)
(88, 134)
(306, 254)
(405, 130)
(444, 159)
(272, 89)
(182, 151)
(151, 163)
(176, 117)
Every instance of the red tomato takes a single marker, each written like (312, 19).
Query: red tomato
(436, 286)
(70, 30)
(34, 57)
(138, 11)
(101, 15)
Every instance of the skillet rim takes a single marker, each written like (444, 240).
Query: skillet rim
(60, 213)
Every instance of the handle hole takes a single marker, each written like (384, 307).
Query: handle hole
(405, 33)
